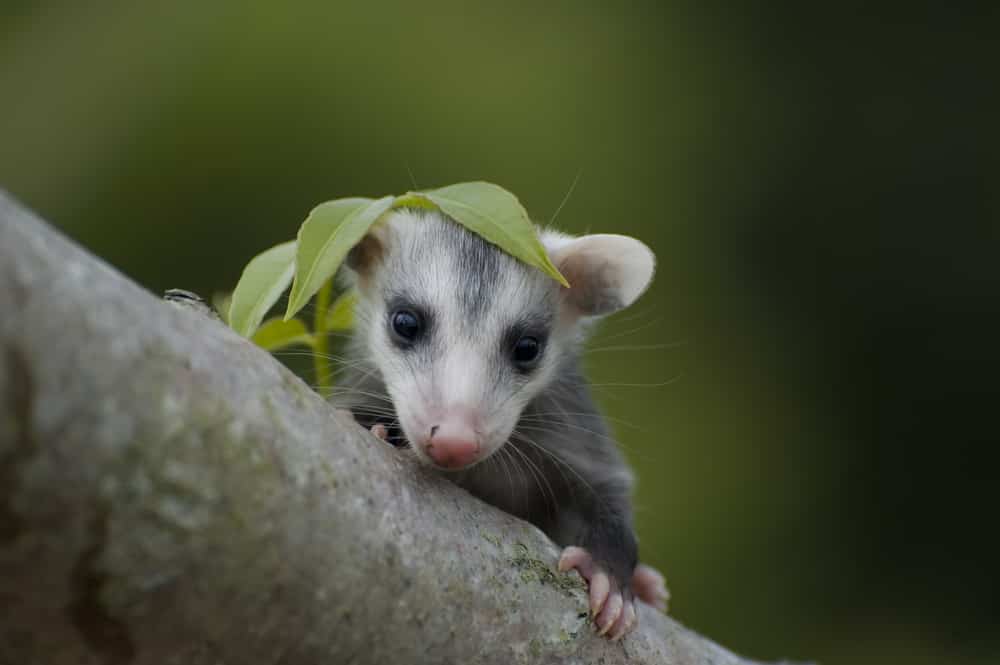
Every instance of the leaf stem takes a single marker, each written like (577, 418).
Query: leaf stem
(321, 361)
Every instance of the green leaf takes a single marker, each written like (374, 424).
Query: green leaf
(340, 316)
(221, 301)
(496, 215)
(263, 281)
(276, 334)
(330, 231)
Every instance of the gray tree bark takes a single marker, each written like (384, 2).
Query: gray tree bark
(169, 493)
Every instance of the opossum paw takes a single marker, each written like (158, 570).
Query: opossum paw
(650, 587)
(611, 605)
(379, 430)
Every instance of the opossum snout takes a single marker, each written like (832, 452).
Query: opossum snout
(452, 443)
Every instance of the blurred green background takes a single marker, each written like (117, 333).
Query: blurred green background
(809, 391)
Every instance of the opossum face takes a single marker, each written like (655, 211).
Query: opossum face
(464, 335)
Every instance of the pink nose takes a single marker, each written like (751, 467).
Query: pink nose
(452, 445)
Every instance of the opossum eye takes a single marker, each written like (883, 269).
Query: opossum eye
(406, 325)
(526, 351)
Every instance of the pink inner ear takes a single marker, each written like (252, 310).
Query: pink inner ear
(593, 290)
(363, 255)
(368, 252)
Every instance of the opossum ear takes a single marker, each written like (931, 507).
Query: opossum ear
(368, 252)
(606, 272)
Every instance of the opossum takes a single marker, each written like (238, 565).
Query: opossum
(470, 358)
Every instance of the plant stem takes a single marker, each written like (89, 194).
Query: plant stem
(321, 361)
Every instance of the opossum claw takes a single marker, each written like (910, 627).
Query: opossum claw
(625, 622)
(611, 607)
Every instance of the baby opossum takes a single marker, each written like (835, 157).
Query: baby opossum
(471, 358)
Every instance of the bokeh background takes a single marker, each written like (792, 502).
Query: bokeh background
(809, 391)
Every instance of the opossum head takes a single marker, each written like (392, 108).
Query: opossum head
(464, 335)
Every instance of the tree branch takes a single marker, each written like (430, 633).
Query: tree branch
(169, 493)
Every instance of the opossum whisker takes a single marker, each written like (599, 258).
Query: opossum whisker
(341, 391)
(341, 370)
(517, 438)
(539, 478)
(366, 375)
(293, 353)
(551, 427)
(557, 429)
(659, 384)
(541, 416)
(376, 403)
(634, 347)
(638, 314)
(502, 462)
(559, 460)
(375, 411)
(602, 338)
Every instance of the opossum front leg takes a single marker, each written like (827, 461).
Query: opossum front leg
(611, 602)
(601, 546)
(607, 595)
